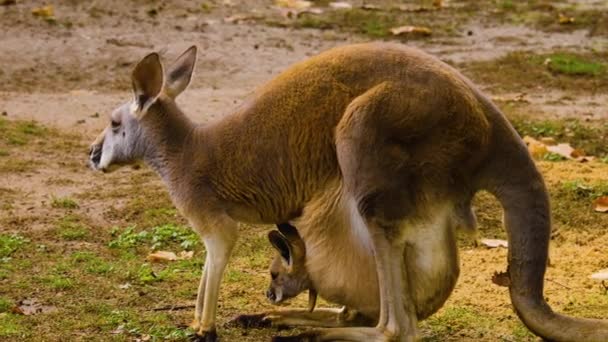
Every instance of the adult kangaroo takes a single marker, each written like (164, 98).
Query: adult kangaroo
(405, 136)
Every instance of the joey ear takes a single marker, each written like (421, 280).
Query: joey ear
(280, 243)
(147, 79)
(180, 73)
(289, 231)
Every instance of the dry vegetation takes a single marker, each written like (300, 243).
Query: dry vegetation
(73, 244)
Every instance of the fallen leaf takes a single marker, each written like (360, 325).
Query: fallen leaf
(600, 275)
(340, 5)
(119, 330)
(8, 2)
(43, 12)
(565, 150)
(549, 141)
(31, 306)
(536, 148)
(601, 204)
(124, 286)
(161, 256)
(565, 20)
(494, 243)
(415, 30)
(185, 255)
(295, 4)
(501, 279)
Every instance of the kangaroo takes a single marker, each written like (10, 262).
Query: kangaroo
(407, 139)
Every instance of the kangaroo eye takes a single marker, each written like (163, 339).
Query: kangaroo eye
(115, 124)
(274, 275)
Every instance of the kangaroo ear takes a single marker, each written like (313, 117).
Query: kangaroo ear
(147, 79)
(280, 243)
(289, 231)
(180, 73)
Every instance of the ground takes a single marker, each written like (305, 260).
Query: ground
(73, 243)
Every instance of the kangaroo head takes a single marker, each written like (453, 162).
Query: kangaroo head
(123, 141)
(288, 269)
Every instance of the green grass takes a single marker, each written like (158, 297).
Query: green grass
(58, 282)
(590, 137)
(71, 228)
(10, 243)
(580, 189)
(19, 133)
(10, 326)
(575, 65)
(5, 304)
(64, 203)
(156, 238)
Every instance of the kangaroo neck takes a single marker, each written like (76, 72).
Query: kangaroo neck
(166, 133)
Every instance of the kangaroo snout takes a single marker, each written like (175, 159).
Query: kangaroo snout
(94, 156)
(274, 296)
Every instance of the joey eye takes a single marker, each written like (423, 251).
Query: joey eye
(115, 124)
(274, 275)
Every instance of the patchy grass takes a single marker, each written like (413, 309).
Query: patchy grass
(521, 70)
(574, 65)
(65, 203)
(377, 23)
(590, 137)
(157, 237)
(10, 243)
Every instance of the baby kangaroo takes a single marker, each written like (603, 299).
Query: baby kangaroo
(395, 140)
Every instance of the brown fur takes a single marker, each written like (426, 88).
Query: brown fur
(402, 132)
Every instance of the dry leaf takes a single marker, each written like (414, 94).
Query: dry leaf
(565, 150)
(600, 275)
(43, 12)
(161, 256)
(31, 306)
(8, 2)
(340, 5)
(415, 30)
(601, 204)
(565, 20)
(494, 243)
(185, 255)
(501, 279)
(124, 286)
(549, 141)
(536, 148)
(295, 4)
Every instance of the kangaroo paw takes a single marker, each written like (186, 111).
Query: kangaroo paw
(205, 336)
(249, 321)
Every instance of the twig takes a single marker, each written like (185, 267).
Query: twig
(174, 307)
(562, 285)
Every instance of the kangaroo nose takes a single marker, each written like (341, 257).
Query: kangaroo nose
(95, 154)
(271, 295)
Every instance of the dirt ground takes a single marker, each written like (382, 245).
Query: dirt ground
(73, 243)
